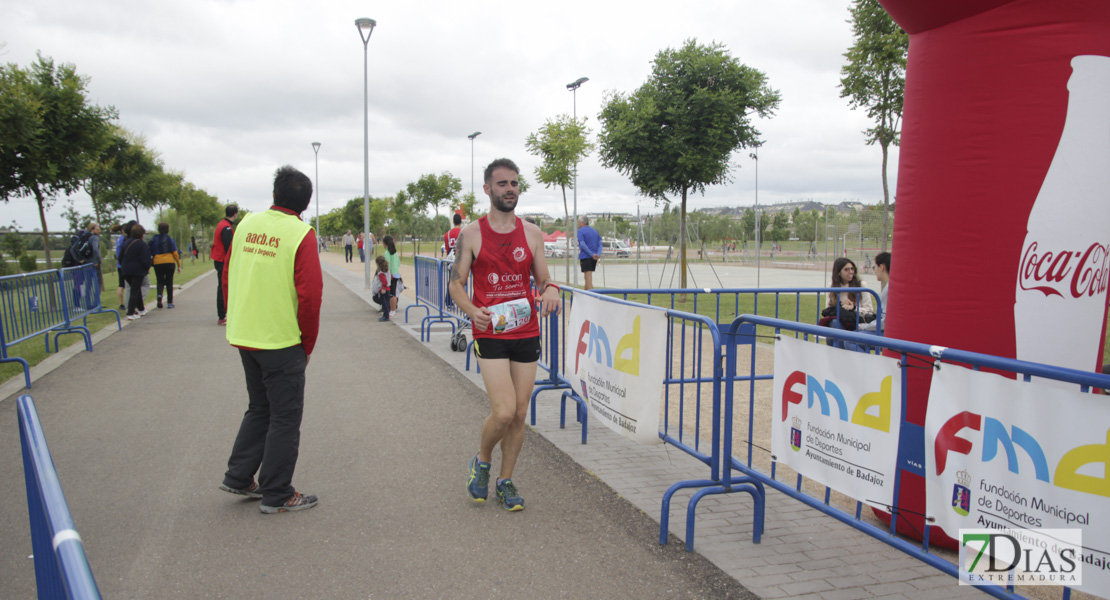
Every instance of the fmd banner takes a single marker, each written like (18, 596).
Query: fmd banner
(836, 416)
(616, 362)
(1004, 454)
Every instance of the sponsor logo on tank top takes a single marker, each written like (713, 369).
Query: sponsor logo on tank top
(519, 254)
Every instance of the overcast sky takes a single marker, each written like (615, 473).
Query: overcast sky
(228, 90)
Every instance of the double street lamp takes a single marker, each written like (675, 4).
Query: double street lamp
(316, 191)
(573, 87)
(367, 26)
(471, 138)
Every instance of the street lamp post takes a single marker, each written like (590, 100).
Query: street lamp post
(471, 138)
(573, 87)
(758, 229)
(365, 25)
(316, 151)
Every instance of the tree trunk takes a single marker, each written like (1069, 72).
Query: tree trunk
(45, 233)
(682, 237)
(886, 196)
(566, 221)
(96, 215)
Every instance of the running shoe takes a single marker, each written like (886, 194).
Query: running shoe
(251, 491)
(297, 502)
(478, 484)
(507, 494)
(170, 305)
(222, 322)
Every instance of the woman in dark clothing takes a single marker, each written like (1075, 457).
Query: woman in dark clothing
(135, 260)
(166, 258)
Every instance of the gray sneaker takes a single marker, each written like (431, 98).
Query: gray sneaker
(297, 502)
(251, 491)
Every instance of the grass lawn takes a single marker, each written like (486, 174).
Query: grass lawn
(33, 350)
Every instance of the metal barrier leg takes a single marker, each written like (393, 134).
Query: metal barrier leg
(26, 368)
(428, 321)
(83, 331)
(412, 306)
(536, 392)
(579, 409)
(119, 323)
(665, 516)
(757, 515)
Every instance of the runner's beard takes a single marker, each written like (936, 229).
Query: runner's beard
(502, 205)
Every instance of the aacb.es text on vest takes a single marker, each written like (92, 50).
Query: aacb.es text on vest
(261, 244)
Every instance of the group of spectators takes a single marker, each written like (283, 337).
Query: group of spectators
(365, 244)
(135, 257)
(853, 311)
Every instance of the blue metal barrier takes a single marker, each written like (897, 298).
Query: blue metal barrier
(745, 325)
(45, 302)
(432, 277)
(428, 272)
(82, 286)
(61, 567)
(552, 357)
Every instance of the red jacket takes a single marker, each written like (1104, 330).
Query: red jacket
(219, 252)
(309, 283)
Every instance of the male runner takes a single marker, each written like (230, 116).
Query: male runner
(502, 250)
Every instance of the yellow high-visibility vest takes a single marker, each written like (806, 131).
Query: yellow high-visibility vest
(262, 296)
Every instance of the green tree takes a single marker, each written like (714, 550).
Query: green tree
(49, 133)
(379, 212)
(200, 208)
(113, 167)
(142, 181)
(875, 79)
(13, 244)
(780, 227)
(747, 224)
(352, 215)
(331, 222)
(466, 203)
(677, 132)
(434, 191)
(807, 225)
(561, 142)
(75, 219)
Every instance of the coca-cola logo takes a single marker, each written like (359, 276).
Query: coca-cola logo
(1079, 273)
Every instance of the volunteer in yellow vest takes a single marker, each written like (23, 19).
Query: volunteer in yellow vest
(273, 288)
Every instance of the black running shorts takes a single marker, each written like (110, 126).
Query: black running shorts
(523, 350)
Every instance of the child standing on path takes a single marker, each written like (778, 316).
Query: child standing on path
(380, 287)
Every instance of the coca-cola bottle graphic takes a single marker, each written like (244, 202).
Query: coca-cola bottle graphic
(1060, 304)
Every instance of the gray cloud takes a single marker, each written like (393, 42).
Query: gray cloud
(227, 91)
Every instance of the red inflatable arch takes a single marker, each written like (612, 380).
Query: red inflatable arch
(1002, 234)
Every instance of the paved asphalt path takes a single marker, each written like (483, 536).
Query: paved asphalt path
(141, 428)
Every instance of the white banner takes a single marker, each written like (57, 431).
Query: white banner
(1002, 453)
(616, 363)
(836, 416)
